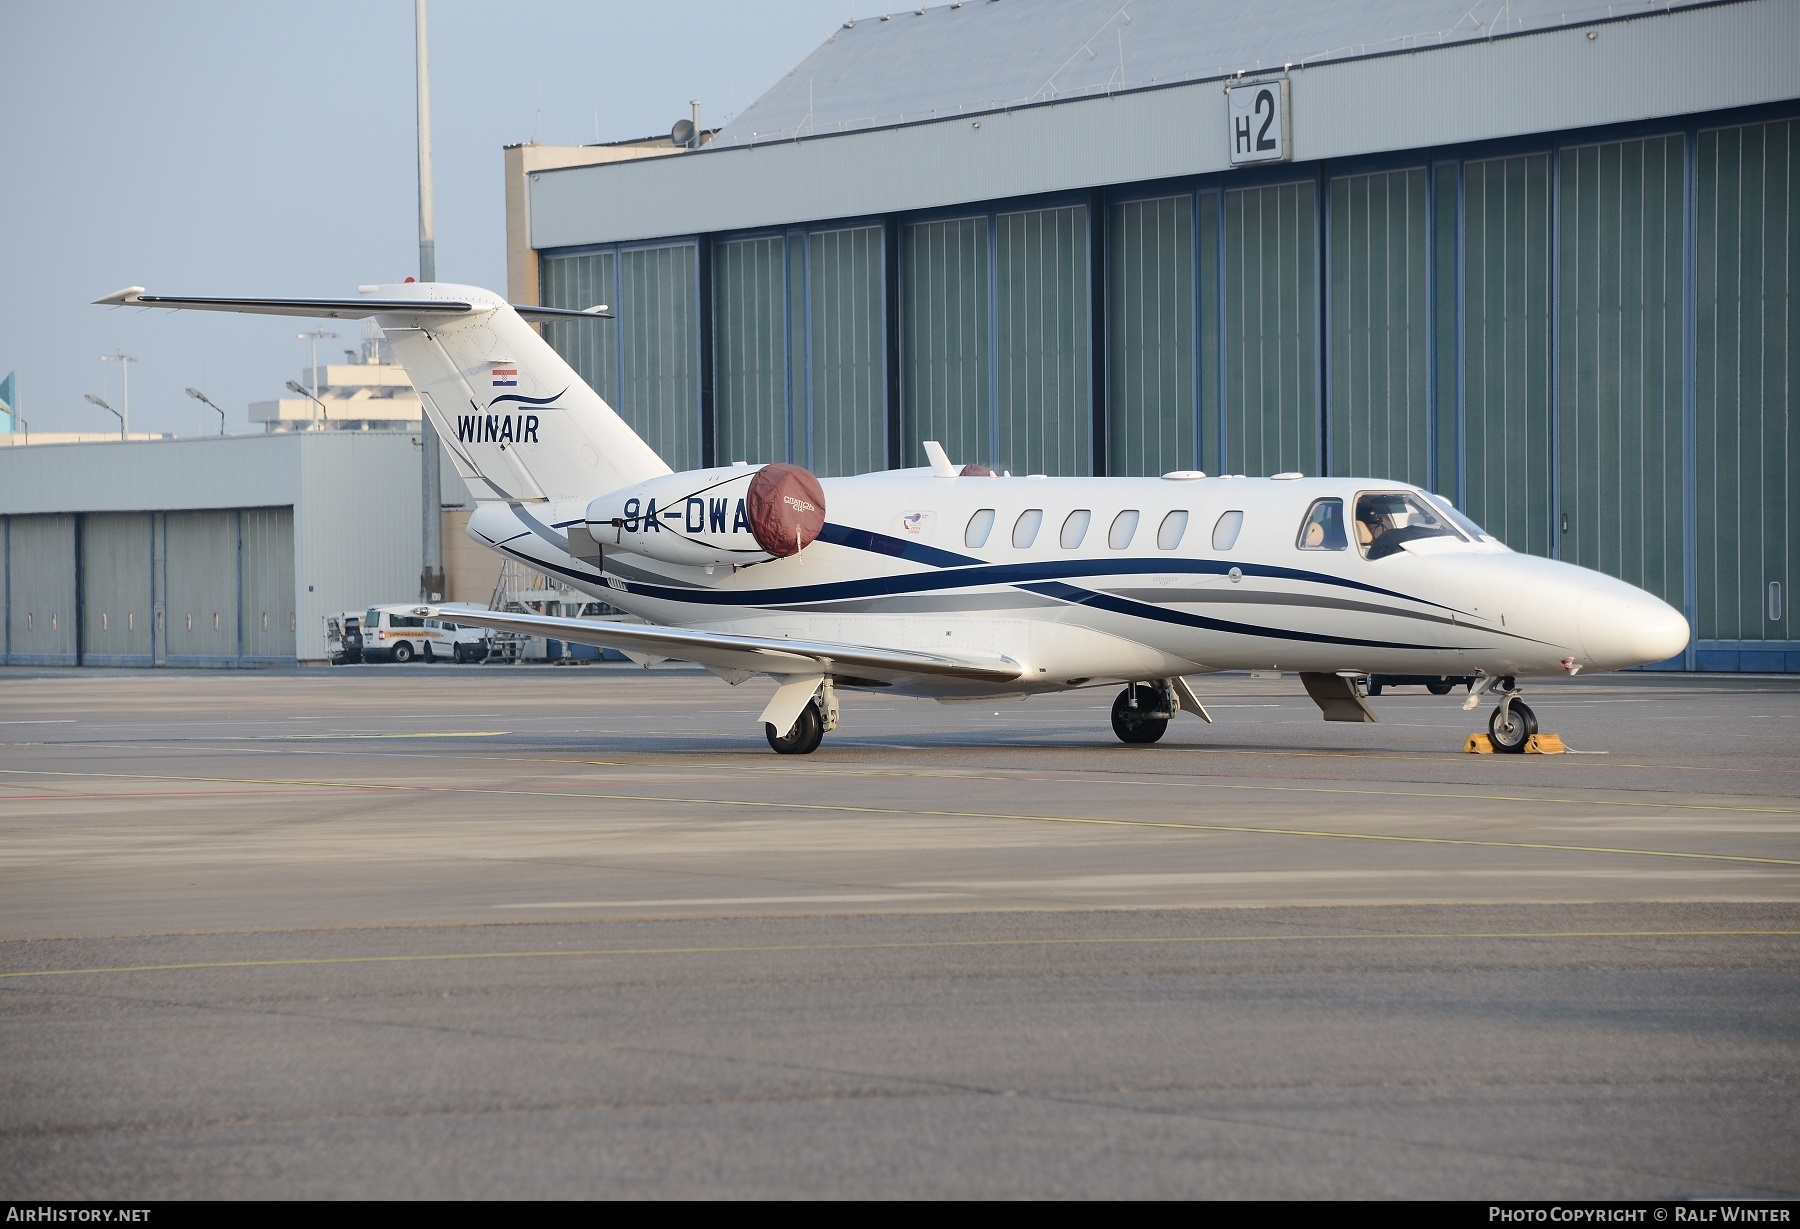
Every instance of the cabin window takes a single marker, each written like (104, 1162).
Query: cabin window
(215, 620)
(980, 526)
(1124, 528)
(1169, 533)
(1225, 533)
(1025, 529)
(1387, 520)
(1075, 527)
(105, 621)
(131, 620)
(1323, 528)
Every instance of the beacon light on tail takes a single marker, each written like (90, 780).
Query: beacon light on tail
(948, 582)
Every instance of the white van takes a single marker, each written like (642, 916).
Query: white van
(399, 633)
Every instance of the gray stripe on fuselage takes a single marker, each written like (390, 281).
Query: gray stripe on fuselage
(1180, 597)
(927, 605)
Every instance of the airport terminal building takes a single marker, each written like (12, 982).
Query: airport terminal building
(1540, 256)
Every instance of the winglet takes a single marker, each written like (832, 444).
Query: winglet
(121, 298)
(940, 460)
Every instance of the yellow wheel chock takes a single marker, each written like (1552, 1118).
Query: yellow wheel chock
(1537, 744)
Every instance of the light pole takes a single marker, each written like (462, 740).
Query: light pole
(109, 410)
(294, 386)
(124, 361)
(431, 516)
(201, 397)
(313, 336)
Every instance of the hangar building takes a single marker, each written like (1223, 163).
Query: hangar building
(1538, 255)
(226, 551)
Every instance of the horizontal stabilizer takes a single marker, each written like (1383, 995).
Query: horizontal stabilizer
(728, 651)
(337, 309)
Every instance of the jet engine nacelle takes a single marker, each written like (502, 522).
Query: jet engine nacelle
(737, 515)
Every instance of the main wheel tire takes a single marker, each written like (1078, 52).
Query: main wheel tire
(403, 652)
(804, 738)
(457, 655)
(1511, 736)
(1374, 688)
(1127, 722)
(1439, 688)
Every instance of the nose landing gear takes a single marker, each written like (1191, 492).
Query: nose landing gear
(1512, 723)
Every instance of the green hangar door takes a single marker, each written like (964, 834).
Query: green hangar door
(1619, 369)
(1747, 379)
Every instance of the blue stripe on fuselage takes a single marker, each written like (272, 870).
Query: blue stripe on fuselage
(1046, 578)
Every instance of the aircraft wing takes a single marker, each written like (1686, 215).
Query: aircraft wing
(749, 654)
(334, 309)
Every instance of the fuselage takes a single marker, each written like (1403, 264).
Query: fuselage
(1126, 578)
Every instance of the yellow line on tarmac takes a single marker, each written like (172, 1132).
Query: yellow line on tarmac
(900, 945)
(1175, 825)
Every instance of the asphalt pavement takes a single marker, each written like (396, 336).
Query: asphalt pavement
(436, 931)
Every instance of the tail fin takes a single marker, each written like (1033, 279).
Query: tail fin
(517, 420)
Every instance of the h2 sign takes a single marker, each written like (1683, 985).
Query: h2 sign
(1261, 127)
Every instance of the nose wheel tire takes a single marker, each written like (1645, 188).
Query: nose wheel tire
(804, 738)
(1130, 724)
(1510, 732)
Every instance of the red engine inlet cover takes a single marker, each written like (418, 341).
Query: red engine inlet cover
(787, 508)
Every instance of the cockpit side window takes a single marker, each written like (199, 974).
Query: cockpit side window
(1388, 520)
(1323, 528)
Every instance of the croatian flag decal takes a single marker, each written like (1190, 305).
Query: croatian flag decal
(506, 377)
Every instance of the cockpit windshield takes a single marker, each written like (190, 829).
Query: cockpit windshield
(1387, 520)
(1469, 527)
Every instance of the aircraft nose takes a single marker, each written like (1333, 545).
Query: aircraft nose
(1623, 627)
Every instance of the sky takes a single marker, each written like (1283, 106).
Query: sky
(254, 149)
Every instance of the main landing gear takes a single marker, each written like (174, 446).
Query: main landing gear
(804, 738)
(1512, 723)
(817, 717)
(1141, 712)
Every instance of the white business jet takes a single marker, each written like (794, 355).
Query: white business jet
(948, 581)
